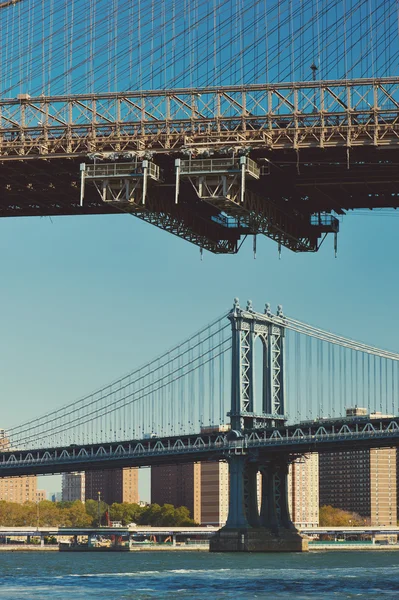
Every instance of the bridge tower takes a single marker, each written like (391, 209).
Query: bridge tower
(251, 528)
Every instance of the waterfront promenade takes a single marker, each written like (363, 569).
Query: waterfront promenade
(146, 538)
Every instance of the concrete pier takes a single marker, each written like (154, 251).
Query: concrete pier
(248, 529)
(257, 539)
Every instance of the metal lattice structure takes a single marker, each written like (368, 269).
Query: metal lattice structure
(280, 116)
(247, 326)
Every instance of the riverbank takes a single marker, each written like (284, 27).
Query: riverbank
(337, 547)
(147, 548)
(27, 548)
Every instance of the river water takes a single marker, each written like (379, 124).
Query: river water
(199, 575)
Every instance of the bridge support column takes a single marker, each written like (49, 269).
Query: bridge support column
(237, 513)
(268, 513)
(245, 530)
(285, 516)
(251, 484)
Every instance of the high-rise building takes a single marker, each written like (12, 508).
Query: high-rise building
(202, 487)
(361, 481)
(303, 491)
(114, 485)
(179, 485)
(16, 489)
(214, 493)
(40, 495)
(73, 487)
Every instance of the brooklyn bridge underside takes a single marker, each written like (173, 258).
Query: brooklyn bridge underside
(303, 187)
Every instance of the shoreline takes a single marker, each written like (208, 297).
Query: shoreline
(318, 548)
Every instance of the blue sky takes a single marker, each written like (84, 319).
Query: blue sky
(86, 299)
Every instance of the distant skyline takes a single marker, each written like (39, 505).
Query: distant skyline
(86, 299)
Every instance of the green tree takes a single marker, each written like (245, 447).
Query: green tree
(183, 517)
(151, 515)
(91, 507)
(125, 512)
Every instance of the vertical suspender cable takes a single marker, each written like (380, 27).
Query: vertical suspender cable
(140, 72)
(115, 69)
(310, 399)
(386, 386)
(299, 370)
(345, 379)
(215, 40)
(392, 387)
(292, 36)
(329, 378)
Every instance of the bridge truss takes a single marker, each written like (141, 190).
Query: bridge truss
(319, 148)
(278, 441)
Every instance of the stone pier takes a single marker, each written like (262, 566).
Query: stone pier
(248, 529)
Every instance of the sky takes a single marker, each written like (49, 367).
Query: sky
(87, 299)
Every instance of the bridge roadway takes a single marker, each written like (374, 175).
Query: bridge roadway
(307, 437)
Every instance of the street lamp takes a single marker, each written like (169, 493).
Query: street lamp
(99, 509)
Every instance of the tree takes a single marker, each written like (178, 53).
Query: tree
(76, 515)
(48, 514)
(125, 512)
(91, 507)
(183, 517)
(151, 515)
(336, 517)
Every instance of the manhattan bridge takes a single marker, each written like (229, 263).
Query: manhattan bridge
(213, 120)
(258, 390)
